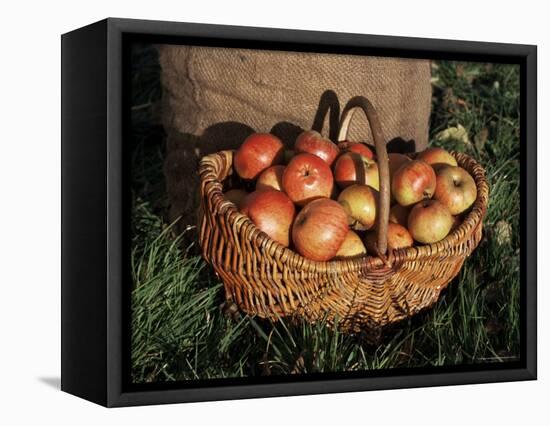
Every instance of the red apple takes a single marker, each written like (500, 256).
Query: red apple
(312, 142)
(396, 161)
(272, 177)
(436, 157)
(236, 196)
(398, 237)
(399, 214)
(352, 246)
(358, 147)
(320, 229)
(360, 203)
(430, 221)
(272, 212)
(307, 178)
(258, 152)
(455, 188)
(351, 168)
(413, 182)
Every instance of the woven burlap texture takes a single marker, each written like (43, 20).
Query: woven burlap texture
(214, 97)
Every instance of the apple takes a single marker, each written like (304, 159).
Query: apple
(320, 229)
(455, 189)
(236, 196)
(351, 168)
(307, 178)
(312, 142)
(413, 182)
(352, 246)
(430, 221)
(258, 152)
(398, 237)
(399, 214)
(358, 147)
(272, 177)
(360, 203)
(396, 161)
(436, 157)
(272, 212)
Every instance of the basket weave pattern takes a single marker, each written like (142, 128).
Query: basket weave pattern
(266, 279)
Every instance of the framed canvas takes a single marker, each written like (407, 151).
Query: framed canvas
(254, 212)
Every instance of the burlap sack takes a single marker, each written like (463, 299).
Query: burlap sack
(214, 97)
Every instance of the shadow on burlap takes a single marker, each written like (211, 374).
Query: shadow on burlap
(213, 98)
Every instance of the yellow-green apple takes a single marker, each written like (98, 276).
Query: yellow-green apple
(430, 221)
(258, 152)
(455, 188)
(272, 177)
(306, 178)
(313, 142)
(413, 182)
(236, 196)
(320, 229)
(358, 147)
(351, 168)
(272, 212)
(436, 157)
(398, 237)
(352, 246)
(399, 214)
(360, 203)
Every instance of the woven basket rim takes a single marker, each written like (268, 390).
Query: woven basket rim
(357, 263)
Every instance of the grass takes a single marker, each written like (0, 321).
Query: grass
(180, 332)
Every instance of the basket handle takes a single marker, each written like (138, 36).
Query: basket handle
(328, 111)
(383, 213)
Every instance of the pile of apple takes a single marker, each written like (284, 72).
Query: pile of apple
(321, 199)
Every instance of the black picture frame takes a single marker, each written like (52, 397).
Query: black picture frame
(95, 288)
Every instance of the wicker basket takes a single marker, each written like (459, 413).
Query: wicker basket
(366, 292)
